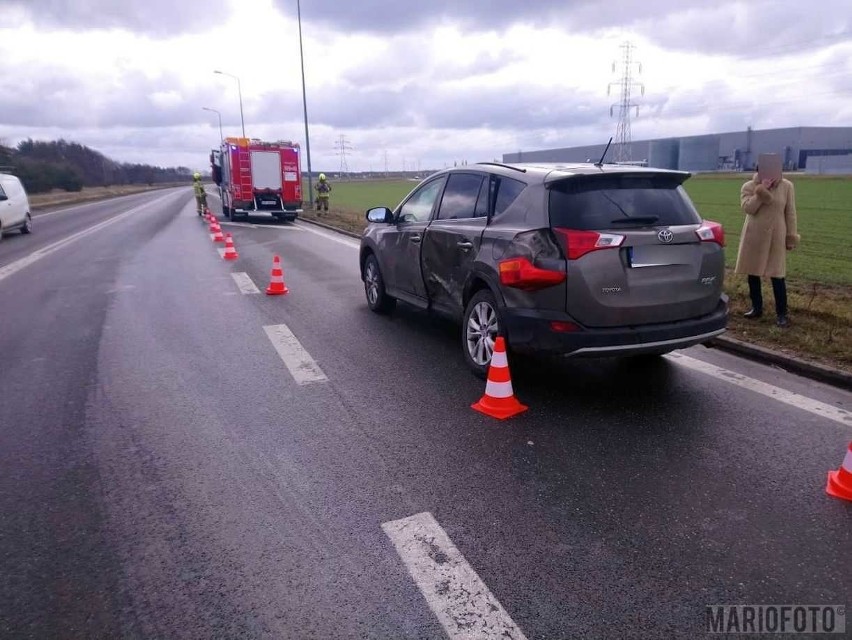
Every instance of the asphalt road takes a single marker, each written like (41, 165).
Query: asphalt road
(182, 459)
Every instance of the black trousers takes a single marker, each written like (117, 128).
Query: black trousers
(779, 290)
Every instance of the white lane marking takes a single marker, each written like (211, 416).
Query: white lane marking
(453, 590)
(221, 251)
(245, 283)
(776, 393)
(38, 254)
(302, 366)
(340, 239)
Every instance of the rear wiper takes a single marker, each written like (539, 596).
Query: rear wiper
(636, 220)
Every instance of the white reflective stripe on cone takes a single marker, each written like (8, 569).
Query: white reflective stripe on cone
(499, 389)
(847, 461)
(498, 359)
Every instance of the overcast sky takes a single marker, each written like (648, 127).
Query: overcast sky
(424, 83)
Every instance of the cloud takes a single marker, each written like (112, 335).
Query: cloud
(154, 17)
(442, 107)
(48, 96)
(437, 81)
(732, 27)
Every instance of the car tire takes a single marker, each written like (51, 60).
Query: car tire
(374, 287)
(28, 225)
(480, 328)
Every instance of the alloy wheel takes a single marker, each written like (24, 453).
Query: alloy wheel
(481, 333)
(371, 284)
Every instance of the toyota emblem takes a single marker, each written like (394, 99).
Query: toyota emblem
(665, 236)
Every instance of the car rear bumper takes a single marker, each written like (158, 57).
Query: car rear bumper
(289, 216)
(530, 331)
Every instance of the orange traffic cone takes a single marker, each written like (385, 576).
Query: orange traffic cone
(217, 234)
(230, 252)
(499, 400)
(840, 481)
(276, 282)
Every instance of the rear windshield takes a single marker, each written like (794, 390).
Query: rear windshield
(606, 202)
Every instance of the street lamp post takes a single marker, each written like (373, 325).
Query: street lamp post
(221, 137)
(240, 94)
(305, 105)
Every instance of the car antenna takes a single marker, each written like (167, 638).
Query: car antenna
(599, 163)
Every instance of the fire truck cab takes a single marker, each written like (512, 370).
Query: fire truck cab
(258, 178)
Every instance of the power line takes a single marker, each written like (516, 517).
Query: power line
(716, 106)
(842, 64)
(800, 45)
(625, 106)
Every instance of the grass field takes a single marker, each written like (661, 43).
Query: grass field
(819, 272)
(824, 206)
(824, 215)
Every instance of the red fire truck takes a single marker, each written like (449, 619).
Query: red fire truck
(256, 177)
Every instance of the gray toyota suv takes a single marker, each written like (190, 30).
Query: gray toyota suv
(577, 260)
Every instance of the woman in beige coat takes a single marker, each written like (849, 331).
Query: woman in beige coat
(768, 233)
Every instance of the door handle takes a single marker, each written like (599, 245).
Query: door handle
(416, 239)
(464, 245)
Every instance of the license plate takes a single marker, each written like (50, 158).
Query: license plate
(659, 255)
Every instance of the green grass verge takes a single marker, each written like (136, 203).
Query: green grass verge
(90, 194)
(824, 213)
(824, 208)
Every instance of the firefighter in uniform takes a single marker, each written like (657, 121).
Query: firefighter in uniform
(323, 193)
(200, 194)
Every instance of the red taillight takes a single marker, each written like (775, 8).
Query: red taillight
(711, 232)
(522, 274)
(579, 243)
(563, 327)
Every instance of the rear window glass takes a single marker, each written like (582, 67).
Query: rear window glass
(614, 201)
(508, 191)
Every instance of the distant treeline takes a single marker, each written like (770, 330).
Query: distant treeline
(43, 166)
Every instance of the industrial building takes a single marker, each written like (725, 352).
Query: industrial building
(812, 149)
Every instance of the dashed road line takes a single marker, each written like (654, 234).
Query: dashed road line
(301, 365)
(245, 283)
(771, 391)
(38, 254)
(221, 251)
(454, 592)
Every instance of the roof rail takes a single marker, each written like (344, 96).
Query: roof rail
(505, 166)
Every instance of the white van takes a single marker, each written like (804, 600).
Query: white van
(14, 206)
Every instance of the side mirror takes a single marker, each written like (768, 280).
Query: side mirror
(380, 215)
